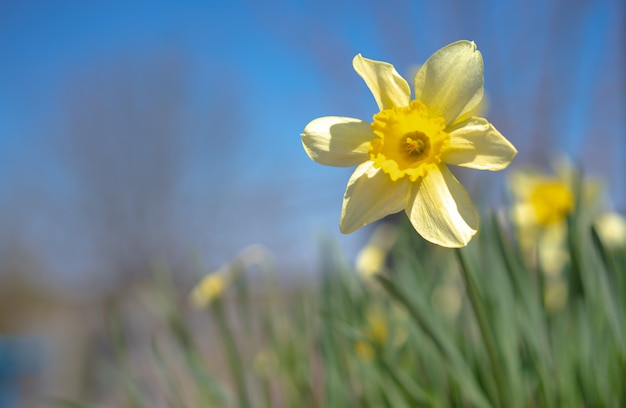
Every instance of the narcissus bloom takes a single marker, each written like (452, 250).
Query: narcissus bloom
(542, 203)
(370, 260)
(383, 328)
(402, 155)
(543, 200)
(212, 287)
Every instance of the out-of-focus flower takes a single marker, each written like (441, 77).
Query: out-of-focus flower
(371, 258)
(542, 203)
(543, 199)
(378, 331)
(213, 285)
(402, 155)
(210, 288)
(266, 363)
(364, 350)
(611, 228)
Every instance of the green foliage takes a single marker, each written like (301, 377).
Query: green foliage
(442, 328)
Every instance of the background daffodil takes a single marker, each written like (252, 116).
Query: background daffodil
(371, 259)
(213, 285)
(541, 204)
(402, 155)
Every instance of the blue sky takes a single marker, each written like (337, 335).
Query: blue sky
(281, 65)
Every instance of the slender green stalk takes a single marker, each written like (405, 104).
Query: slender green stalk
(447, 350)
(411, 391)
(210, 390)
(607, 293)
(167, 380)
(485, 329)
(418, 317)
(576, 264)
(605, 255)
(234, 358)
(120, 347)
(508, 256)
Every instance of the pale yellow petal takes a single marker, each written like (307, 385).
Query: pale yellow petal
(524, 215)
(337, 141)
(475, 143)
(522, 181)
(441, 210)
(370, 196)
(611, 227)
(451, 81)
(387, 86)
(551, 249)
(370, 260)
(210, 288)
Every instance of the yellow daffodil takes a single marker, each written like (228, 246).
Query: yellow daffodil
(377, 333)
(542, 203)
(543, 200)
(402, 155)
(212, 286)
(372, 257)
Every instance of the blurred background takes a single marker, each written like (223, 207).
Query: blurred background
(169, 132)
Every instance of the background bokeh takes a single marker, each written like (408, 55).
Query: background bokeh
(157, 129)
(170, 131)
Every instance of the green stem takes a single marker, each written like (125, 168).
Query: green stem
(234, 358)
(460, 372)
(485, 329)
(415, 395)
(577, 284)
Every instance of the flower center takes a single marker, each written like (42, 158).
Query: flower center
(415, 144)
(410, 141)
(552, 201)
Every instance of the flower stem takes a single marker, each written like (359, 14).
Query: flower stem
(485, 329)
(234, 358)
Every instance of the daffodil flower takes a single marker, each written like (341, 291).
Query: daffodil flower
(542, 200)
(402, 156)
(380, 329)
(212, 286)
(370, 260)
(542, 203)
